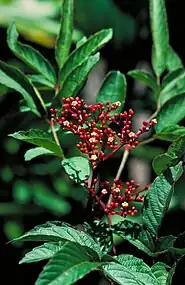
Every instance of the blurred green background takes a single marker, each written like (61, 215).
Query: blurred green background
(33, 192)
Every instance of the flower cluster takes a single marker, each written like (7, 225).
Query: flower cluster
(92, 124)
(116, 199)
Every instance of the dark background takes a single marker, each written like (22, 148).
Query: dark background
(122, 53)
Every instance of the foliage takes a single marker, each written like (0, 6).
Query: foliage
(99, 131)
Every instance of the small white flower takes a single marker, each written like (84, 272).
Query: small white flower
(74, 103)
(93, 134)
(110, 139)
(124, 204)
(116, 190)
(131, 134)
(94, 157)
(116, 104)
(154, 121)
(104, 191)
(66, 123)
(92, 140)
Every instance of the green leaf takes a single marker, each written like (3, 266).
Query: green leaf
(160, 272)
(173, 85)
(13, 78)
(158, 198)
(170, 275)
(113, 89)
(58, 231)
(147, 152)
(177, 148)
(171, 157)
(82, 53)
(171, 113)
(39, 138)
(121, 274)
(42, 252)
(101, 232)
(170, 133)
(136, 234)
(162, 162)
(77, 77)
(138, 267)
(164, 243)
(29, 55)
(64, 39)
(35, 152)
(144, 77)
(41, 80)
(77, 168)
(81, 42)
(67, 266)
(160, 35)
(173, 60)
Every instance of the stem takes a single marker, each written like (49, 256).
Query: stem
(158, 81)
(122, 164)
(158, 101)
(112, 153)
(120, 169)
(110, 223)
(54, 133)
(154, 114)
(147, 141)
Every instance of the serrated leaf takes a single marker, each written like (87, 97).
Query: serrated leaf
(39, 79)
(35, 152)
(170, 133)
(42, 252)
(76, 79)
(113, 89)
(67, 266)
(82, 53)
(101, 232)
(13, 78)
(56, 231)
(39, 138)
(164, 243)
(77, 168)
(171, 113)
(162, 162)
(173, 60)
(160, 35)
(123, 275)
(120, 274)
(160, 272)
(29, 55)
(136, 234)
(144, 77)
(177, 148)
(173, 85)
(158, 198)
(138, 267)
(64, 39)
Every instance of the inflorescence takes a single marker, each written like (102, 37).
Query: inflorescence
(91, 124)
(102, 133)
(122, 196)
